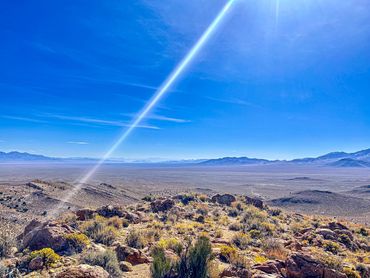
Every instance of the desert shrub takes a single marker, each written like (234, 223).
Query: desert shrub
(7, 242)
(252, 214)
(202, 209)
(116, 222)
(330, 260)
(194, 262)
(202, 197)
(362, 231)
(136, 239)
(331, 246)
(184, 228)
(351, 273)
(76, 242)
(236, 226)
(186, 199)
(107, 260)
(274, 211)
(214, 270)
(238, 260)
(218, 233)
(106, 236)
(161, 267)
(256, 234)
(274, 249)
(343, 238)
(48, 256)
(362, 269)
(171, 243)
(260, 259)
(241, 240)
(233, 212)
(227, 252)
(99, 230)
(148, 198)
(151, 235)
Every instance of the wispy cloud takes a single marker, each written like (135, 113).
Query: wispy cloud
(234, 101)
(161, 118)
(78, 142)
(98, 121)
(24, 119)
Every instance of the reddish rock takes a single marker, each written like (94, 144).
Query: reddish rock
(271, 267)
(83, 271)
(233, 271)
(84, 214)
(131, 255)
(49, 234)
(301, 265)
(36, 264)
(331, 273)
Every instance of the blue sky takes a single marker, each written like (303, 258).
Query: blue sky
(279, 78)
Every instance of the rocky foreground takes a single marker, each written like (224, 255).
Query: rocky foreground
(188, 235)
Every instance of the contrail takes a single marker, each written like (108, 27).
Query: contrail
(163, 89)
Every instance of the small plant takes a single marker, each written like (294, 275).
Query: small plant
(107, 260)
(76, 242)
(161, 267)
(274, 249)
(235, 226)
(227, 252)
(241, 240)
(48, 256)
(172, 243)
(7, 241)
(363, 232)
(136, 239)
(218, 233)
(332, 247)
(351, 273)
(260, 259)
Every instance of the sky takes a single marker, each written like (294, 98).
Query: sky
(279, 79)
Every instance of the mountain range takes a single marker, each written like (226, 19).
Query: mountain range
(333, 159)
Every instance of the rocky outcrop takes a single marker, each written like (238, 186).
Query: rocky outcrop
(254, 202)
(83, 271)
(131, 255)
(162, 205)
(233, 271)
(224, 199)
(300, 265)
(111, 211)
(50, 234)
(271, 267)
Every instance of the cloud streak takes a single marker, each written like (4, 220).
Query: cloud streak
(234, 101)
(160, 118)
(24, 119)
(99, 121)
(78, 142)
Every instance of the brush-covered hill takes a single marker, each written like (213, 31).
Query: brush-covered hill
(187, 235)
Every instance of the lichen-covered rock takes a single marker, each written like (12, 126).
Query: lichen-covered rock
(224, 199)
(83, 271)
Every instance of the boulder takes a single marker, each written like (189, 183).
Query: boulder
(254, 202)
(131, 255)
(260, 274)
(336, 226)
(84, 214)
(83, 271)
(224, 199)
(36, 264)
(125, 266)
(110, 211)
(331, 273)
(300, 265)
(271, 267)
(233, 271)
(326, 233)
(162, 205)
(48, 234)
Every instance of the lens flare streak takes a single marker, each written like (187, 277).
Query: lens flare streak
(163, 89)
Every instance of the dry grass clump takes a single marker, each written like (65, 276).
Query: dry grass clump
(227, 253)
(107, 260)
(100, 230)
(7, 242)
(136, 239)
(171, 243)
(76, 242)
(274, 249)
(241, 240)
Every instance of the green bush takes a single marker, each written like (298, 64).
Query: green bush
(194, 262)
(162, 267)
(107, 260)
